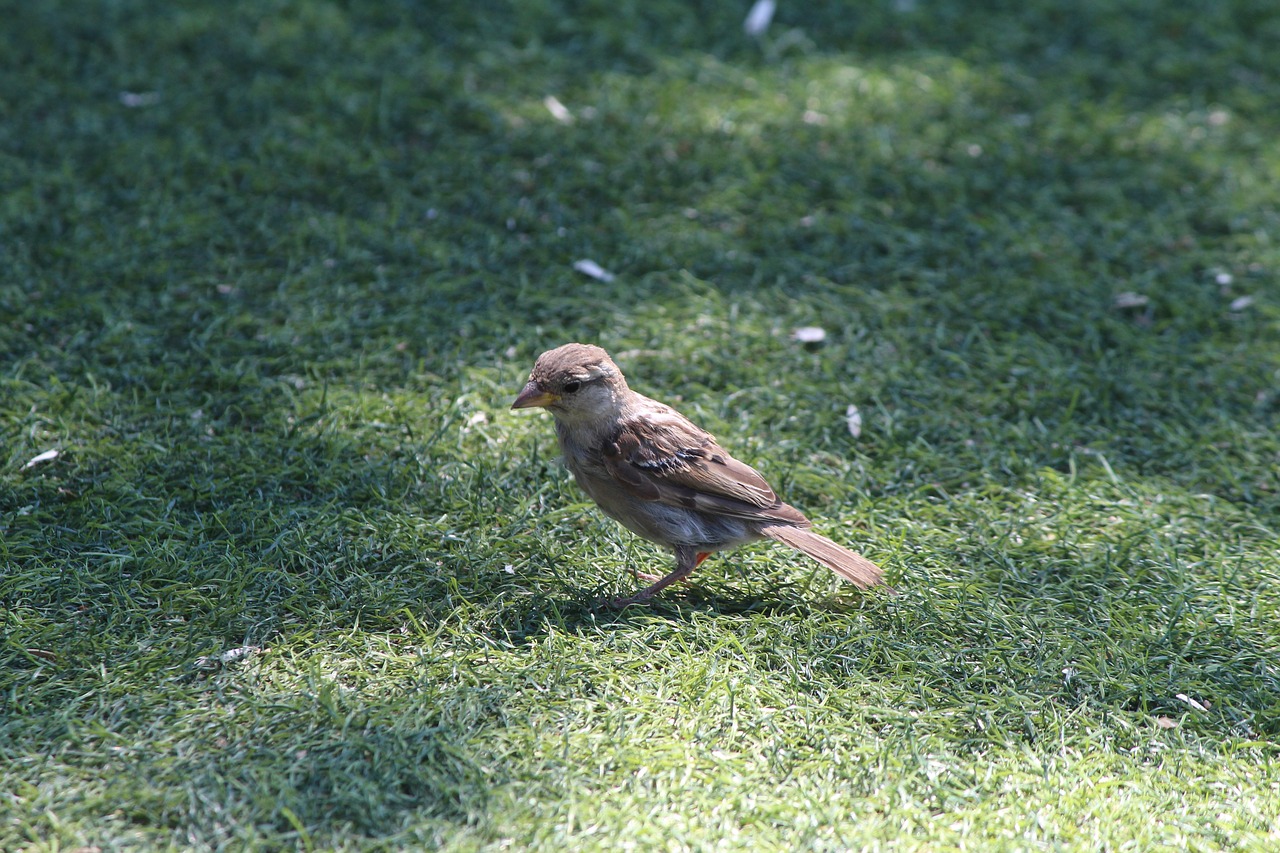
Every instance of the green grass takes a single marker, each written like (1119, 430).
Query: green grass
(272, 306)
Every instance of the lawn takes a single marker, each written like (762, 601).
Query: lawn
(296, 577)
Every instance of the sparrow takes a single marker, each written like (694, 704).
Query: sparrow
(657, 474)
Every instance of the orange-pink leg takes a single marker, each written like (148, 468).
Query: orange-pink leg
(686, 561)
(645, 576)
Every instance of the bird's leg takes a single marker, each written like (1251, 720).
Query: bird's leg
(687, 559)
(650, 578)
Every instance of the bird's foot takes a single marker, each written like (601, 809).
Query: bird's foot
(686, 561)
(648, 578)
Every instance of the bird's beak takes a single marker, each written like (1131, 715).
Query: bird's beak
(533, 396)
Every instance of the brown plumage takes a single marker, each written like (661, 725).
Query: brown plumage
(662, 477)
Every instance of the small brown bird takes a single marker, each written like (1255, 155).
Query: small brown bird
(653, 471)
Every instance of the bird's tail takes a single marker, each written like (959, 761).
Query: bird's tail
(853, 567)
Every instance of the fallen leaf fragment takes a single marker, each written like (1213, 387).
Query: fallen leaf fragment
(1166, 722)
(759, 18)
(1199, 706)
(133, 100)
(558, 111)
(47, 456)
(854, 418)
(591, 268)
(229, 656)
(1131, 300)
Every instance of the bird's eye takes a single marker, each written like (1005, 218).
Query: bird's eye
(570, 387)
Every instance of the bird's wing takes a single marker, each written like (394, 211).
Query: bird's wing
(660, 456)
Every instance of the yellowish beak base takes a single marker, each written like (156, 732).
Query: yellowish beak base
(533, 397)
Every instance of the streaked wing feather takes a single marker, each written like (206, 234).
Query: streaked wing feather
(665, 458)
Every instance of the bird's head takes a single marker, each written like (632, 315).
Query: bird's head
(576, 383)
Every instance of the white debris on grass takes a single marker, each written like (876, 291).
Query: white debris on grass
(759, 18)
(588, 267)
